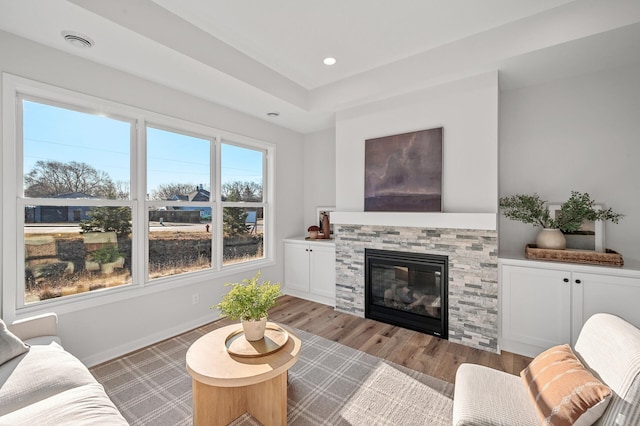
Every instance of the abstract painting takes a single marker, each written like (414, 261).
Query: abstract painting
(404, 172)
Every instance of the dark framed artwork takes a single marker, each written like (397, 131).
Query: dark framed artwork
(404, 172)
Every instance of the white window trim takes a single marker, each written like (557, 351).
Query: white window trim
(10, 181)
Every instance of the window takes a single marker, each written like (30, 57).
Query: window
(181, 204)
(113, 197)
(73, 162)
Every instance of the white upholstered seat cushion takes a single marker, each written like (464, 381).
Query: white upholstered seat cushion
(484, 396)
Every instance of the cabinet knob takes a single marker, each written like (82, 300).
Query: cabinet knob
(566, 280)
(578, 282)
(310, 250)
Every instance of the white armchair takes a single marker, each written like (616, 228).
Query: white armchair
(607, 346)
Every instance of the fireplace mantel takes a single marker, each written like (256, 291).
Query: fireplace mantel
(483, 221)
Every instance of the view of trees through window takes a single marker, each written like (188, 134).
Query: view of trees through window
(242, 203)
(78, 202)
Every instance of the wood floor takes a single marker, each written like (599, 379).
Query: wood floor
(427, 354)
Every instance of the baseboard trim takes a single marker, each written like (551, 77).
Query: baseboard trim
(135, 345)
(312, 297)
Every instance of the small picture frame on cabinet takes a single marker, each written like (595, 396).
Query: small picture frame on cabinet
(590, 236)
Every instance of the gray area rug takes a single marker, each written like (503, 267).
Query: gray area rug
(331, 384)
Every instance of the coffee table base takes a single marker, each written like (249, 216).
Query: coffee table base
(266, 401)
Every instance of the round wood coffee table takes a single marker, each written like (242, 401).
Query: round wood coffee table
(226, 386)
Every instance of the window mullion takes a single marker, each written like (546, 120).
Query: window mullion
(140, 237)
(218, 243)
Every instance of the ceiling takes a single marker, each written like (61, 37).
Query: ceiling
(258, 57)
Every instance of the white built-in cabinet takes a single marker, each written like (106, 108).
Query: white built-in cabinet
(543, 304)
(310, 270)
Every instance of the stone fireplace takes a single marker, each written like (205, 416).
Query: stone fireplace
(472, 281)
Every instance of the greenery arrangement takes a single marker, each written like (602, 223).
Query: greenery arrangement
(533, 210)
(249, 300)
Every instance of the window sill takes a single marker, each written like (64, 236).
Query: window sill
(98, 298)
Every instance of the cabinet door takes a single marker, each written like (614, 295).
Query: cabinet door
(322, 274)
(594, 293)
(296, 266)
(536, 306)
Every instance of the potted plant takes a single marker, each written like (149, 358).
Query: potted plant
(533, 210)
(249, 302)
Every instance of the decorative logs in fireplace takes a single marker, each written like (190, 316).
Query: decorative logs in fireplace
(407, 289)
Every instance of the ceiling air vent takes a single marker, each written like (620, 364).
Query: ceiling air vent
(77, 39)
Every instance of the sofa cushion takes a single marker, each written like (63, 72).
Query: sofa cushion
(10, 345)
(38, 374)
(84, 405)
(562, 390)
(484, 396)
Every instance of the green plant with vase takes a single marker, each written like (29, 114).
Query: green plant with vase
(249, 302)
(533, 210)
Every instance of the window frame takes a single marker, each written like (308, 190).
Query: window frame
(14, 89)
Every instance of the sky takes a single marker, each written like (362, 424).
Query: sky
(53, 133)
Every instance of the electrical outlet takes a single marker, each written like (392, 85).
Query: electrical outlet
(195, 298)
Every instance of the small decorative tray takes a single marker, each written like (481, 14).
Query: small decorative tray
(275, 337)
(610, 257)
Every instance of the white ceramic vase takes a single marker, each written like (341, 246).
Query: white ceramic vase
(551, 239)
(254, 329)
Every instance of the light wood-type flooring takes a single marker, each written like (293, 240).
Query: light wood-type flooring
(418, 351)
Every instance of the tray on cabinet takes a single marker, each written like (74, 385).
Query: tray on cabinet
(609, 258)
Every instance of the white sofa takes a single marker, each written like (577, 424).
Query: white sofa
(47, 385)
(607, 345)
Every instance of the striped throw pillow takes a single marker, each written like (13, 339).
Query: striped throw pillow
(563, 391)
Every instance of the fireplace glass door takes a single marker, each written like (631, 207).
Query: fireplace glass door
(407, 289)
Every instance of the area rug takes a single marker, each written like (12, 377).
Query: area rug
(331, 384)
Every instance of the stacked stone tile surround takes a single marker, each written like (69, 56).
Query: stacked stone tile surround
(473, 273)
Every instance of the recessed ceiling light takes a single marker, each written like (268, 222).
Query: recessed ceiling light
(329, 61)
(273, 114)
(77, 39)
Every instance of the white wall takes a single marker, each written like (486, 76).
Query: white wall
(107, 330)
(582, 134)
(468, 112)
(319, 174)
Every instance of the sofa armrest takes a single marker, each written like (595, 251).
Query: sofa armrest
(41, 325)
